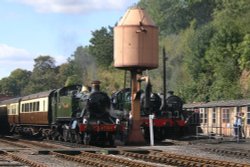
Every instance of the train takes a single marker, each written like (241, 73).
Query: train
(87, 115)
(170, 120)
(73, 113)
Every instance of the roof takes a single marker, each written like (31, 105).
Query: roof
(37, 95)
(14, 100)
(135, 16)
(228, 103)
(5, 97)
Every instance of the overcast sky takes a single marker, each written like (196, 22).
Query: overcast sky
(29, 28)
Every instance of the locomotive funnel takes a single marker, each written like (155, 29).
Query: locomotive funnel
(95, 86)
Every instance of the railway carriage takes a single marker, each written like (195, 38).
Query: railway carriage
(4, 119)
(12, 106)
(35, 109)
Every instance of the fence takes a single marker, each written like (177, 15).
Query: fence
(223, 133)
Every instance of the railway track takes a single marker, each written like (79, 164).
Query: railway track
(184, 160)
(227, 152)
(28, 154)
(21, 159)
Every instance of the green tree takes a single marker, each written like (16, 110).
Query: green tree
(222, 57)
(174, 16)
(20, 78)
(6, 86)
(15, 83)
(65, 70)
(44, 75)
(101, 46)
(83, 65)
(72, 80)
(244, 51)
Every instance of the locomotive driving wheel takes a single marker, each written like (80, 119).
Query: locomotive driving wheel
(86, 139)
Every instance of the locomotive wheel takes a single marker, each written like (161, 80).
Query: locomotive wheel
(60, 138)
(66, 135)
(53, 138)
(146, 134)
(111, 139)
(48, 137)
(86, 139)
(73, 137)
(79, 138)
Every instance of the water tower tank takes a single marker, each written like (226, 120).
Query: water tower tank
(136, 41)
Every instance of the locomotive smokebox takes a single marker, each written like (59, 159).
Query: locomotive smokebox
(136, 41)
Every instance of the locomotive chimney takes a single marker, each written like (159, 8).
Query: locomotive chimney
(95, 86)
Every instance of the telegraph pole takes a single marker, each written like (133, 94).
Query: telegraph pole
(164, 59)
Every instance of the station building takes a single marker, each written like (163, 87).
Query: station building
(218, 117)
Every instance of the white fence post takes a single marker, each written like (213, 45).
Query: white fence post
(151, 130)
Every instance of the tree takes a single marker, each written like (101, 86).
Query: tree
(174, 16)
(44, 75)
(6, 86)
(72, 80)
(222, 57)
(20, 78)
(244, 51)
(101, 46)
(15, 83)
(44, 63)
(83, 65)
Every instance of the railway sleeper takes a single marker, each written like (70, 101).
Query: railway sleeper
(202, 160)
(24, 160)
(115, 159)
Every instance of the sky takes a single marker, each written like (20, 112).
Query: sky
(30, 28)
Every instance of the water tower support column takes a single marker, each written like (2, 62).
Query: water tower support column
(135, 136)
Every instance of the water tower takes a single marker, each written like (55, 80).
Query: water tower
(136, 49)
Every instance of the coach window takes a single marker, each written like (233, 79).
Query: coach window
(8, 110)
(13, 109)
(37, 109)
(26, 107)
(34, 106)
(248, 115)
(225, 115)
(31, 107)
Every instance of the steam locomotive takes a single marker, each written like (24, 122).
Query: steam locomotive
(169, 117)
(72, 113)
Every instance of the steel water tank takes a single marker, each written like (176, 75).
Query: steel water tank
(136, 41)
